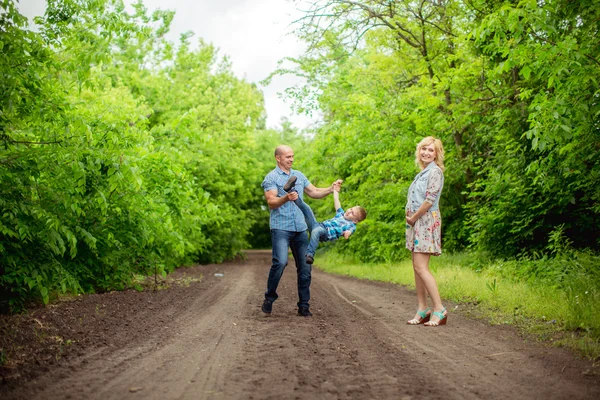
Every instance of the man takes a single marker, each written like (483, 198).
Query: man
(288, 227)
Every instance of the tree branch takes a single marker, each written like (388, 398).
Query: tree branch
(24, 142)
(589, 57)
(398, 28)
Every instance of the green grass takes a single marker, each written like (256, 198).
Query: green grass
(566, 315)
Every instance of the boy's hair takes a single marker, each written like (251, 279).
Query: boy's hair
(362, 213)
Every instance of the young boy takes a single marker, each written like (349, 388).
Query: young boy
(343, 224)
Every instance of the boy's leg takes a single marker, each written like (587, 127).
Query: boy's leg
(309, 216)
(315, 236)
(316, 229)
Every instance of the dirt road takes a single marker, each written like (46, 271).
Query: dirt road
(209, 340)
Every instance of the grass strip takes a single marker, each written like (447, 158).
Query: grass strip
(565, 316)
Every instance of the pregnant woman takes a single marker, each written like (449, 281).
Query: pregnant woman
(424, 229)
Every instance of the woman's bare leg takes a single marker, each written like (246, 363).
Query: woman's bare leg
(421, 291)
(421, 267)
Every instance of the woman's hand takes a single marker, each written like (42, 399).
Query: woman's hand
(410, 220)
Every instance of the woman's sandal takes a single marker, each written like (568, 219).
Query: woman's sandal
(443, 318)
(425, 315)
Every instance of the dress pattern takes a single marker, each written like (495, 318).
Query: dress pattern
(426, 235)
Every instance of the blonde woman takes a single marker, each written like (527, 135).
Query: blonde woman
(424, 228)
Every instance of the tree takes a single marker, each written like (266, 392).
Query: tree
(122, 153)
(499, 80)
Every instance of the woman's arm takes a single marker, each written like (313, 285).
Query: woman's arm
(434, 186)
(420, 212)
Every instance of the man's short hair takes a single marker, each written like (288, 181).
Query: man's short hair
(279, 150)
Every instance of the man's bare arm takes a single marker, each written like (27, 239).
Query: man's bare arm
(275, 202)
(319, 193)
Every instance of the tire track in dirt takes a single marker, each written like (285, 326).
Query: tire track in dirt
(466, 359)
(341, 352)
(357, 345)
(204, 341)
(211, 341)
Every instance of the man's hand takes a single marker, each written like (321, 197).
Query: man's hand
(320, 193)
(337, 185)
(274, 201)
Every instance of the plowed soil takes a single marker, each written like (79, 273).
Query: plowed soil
(205, 337)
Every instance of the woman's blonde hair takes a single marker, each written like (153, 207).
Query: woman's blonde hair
(439, 152)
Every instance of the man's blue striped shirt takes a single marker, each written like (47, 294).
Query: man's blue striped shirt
(288, 217)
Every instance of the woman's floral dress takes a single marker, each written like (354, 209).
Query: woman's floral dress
(426, 235)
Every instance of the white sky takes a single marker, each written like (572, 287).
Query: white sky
(253, 33)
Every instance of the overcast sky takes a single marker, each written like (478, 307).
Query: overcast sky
(253, 33)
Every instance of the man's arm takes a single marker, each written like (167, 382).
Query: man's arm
(275, 202)
(319, 193)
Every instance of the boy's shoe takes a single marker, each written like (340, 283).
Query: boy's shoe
(309, 259)
(304, 312)
(267, 306)
(290, 183)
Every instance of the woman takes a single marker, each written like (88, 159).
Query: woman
(424, 228)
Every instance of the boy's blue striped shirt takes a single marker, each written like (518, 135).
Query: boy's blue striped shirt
(337, 225)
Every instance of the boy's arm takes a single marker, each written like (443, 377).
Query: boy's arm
(336, 200)
(347, 234)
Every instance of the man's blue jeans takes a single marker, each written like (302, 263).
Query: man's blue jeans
(298, 242)
(317, 231)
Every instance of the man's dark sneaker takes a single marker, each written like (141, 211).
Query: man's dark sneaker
(304, 312)
(267, 306)
(290, 183)
(310, 259)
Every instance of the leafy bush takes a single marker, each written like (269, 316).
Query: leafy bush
(120, 156)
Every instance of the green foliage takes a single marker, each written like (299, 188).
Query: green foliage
(510, 88)
(543, 170)
(121, 154)
(378, 101)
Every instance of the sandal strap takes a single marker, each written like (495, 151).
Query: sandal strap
(423, 313)
(440, 314)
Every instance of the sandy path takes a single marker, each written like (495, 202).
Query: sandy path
(212, 342)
